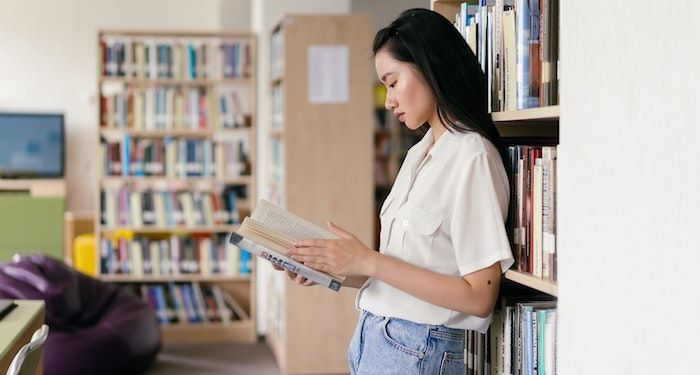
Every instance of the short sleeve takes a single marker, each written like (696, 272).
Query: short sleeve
(477, 226)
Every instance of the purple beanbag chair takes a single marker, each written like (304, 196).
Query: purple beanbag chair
(95, 328)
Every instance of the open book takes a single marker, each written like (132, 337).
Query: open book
(271, 230)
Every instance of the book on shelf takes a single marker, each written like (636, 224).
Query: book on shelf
(533, 209)
(197, 255)
(191, 303)
(138, 207)
(271, 230)
(146, 57)
(517, 45)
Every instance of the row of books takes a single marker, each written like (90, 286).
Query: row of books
(520, 341)
(517, 44)
(170, 58)
(477, 353)
(191, 303)
(167, 108)
(203, 255)
(523, 338)
(176, 157)
(533, 209)
(127, 207)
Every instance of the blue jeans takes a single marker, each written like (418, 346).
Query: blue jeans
(383, 346)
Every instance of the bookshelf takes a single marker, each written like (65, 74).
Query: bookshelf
(530, 127)
(177, 147)
(533, 282)
(321, 167)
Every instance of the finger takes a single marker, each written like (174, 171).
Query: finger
(319, 266)
(305, 259)
(278, 268)
(291, 274)
(340, 232)
(308, 283)
(313, 243)
(307, 251)
(300, 279)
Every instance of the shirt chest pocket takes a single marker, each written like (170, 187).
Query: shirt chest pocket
(416, 230)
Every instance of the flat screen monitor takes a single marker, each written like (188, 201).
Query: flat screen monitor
(31, 145)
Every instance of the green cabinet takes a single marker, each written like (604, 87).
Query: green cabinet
(30, 224)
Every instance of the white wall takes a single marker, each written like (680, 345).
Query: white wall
(235, 15)
(629, 188)
(49, 62)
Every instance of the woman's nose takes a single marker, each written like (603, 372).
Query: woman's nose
(389, 103)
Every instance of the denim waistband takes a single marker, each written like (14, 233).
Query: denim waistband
(436, 331)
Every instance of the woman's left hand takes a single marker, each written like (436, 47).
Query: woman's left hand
(346, 256)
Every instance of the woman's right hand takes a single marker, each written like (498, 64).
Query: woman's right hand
(301, 280)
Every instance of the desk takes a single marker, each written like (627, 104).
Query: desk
(16, 330)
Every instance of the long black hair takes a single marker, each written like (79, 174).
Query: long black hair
(429, 42)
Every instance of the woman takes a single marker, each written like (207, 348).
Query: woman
(443, 243)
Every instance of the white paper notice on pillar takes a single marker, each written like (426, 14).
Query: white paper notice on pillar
(329, 74)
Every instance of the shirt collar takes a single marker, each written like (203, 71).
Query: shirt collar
(418, 151)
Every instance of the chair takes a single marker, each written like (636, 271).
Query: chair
(27, 358)
(96, 327)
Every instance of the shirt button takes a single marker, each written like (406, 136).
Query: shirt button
(405, 223)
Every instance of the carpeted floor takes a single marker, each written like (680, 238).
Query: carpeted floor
(239, 359)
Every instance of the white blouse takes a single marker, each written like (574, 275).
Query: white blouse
(446, 213)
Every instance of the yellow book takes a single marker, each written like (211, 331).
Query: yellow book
(84, 254)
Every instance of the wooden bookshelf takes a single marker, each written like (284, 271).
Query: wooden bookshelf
(177, 82)
(236, 331)
(533, 129)
(448, 8)
(541, 114)
(542, 122)
(320, 168)
(242, 180)
(537, 283)
(187, 133)
(178, 229)
(173, 278)
(188, 87)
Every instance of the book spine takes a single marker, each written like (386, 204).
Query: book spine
(286, 262)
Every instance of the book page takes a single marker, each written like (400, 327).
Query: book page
(264, 236)
(279, 220)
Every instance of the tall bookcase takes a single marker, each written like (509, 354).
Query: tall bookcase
(530, 128)
(176, 173)
(321, 169)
